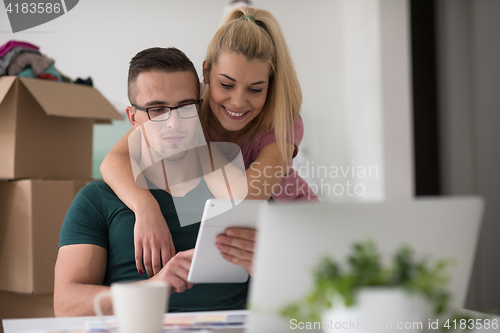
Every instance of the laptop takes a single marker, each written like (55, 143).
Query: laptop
(293, 237)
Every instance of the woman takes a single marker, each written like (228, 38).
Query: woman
(252, 98)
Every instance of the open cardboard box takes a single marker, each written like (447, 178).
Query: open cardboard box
(46, 128)
(31, 215)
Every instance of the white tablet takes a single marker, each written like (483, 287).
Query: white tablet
(208, 265)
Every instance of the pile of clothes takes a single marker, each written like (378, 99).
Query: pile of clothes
(24, 59)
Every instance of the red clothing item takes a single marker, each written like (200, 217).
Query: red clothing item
(47, 76)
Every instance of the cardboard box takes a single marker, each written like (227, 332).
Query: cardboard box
(46, 128)
(31, 215)
(16, 306)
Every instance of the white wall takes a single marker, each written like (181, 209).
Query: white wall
(98, 38)
(351, 57)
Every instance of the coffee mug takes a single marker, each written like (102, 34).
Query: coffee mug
(138, 307)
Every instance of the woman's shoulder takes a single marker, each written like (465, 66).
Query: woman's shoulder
(266, 136)
(298, 129)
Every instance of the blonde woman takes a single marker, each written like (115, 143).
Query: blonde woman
(252, 98)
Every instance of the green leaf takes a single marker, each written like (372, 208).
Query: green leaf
(365, 269)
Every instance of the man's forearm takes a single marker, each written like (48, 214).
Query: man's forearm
(74, 300)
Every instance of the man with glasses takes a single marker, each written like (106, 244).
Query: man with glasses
(96, 246)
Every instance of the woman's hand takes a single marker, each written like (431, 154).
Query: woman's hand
(237, 245)
(152, 240)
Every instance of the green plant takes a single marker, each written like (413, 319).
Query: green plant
(365, 269)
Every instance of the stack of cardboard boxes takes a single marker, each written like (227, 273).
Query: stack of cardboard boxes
(45, 159)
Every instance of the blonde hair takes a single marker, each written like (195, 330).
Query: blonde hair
(256, 34)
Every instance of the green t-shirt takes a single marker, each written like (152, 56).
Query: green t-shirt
(97, 216)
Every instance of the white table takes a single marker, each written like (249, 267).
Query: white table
(43, 324)
(39, 325)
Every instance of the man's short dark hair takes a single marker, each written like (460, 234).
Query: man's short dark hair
(167, 60)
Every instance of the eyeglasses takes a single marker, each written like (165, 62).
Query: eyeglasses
(162, 112)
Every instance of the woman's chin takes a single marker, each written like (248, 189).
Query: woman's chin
(233, 127)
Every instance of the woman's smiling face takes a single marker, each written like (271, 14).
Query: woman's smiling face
(238, 89)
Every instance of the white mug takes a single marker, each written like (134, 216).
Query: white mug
(138, 307)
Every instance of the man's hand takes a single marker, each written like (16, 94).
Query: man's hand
(153, 242)
(175, 273)
(237, 245)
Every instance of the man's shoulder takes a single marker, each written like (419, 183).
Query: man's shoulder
(96, 187)
(97, 194)
(96, 201)
(86, 221)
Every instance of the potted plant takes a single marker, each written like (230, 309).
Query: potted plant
(404, 294)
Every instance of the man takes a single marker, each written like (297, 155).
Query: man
(97, 236)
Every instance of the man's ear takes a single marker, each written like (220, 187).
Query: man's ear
(205, 72)
(131, 116)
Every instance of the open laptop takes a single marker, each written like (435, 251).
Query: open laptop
(293, 237)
